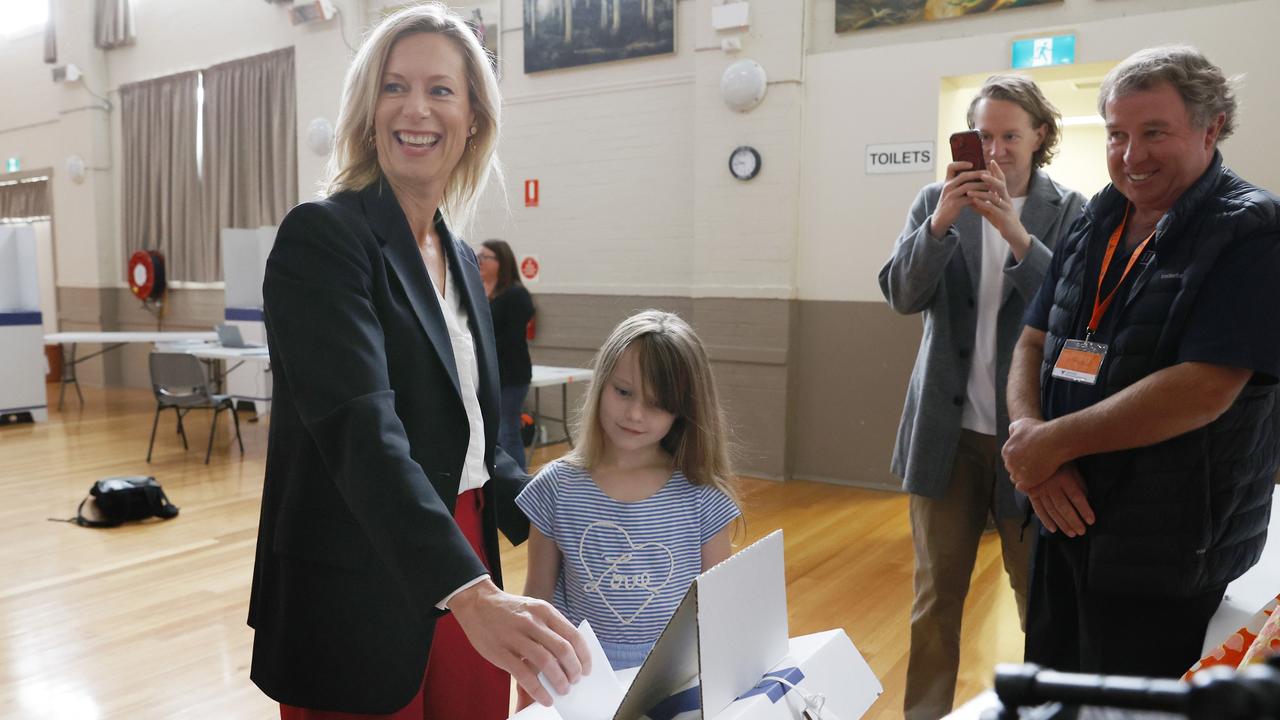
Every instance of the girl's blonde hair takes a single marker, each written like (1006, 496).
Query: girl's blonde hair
(353, 164)
(676, 373)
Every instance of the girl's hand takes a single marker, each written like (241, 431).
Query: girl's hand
(955, 196)
(992, 201)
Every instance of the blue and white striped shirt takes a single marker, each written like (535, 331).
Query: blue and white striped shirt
(624, 566)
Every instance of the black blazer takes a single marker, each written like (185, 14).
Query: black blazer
(357, 542)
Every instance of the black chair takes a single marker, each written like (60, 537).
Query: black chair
(178, 381)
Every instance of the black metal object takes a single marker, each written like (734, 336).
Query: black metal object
(1219, 693)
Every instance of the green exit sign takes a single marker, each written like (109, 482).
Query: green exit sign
(1043, 51)
(12, 165)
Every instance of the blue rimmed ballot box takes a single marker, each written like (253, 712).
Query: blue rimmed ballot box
(22, 361)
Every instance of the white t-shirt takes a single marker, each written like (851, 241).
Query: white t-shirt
(980, 394)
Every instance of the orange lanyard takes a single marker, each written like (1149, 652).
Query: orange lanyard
(1100, 304)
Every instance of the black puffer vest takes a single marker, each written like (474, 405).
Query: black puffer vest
(1189, 513)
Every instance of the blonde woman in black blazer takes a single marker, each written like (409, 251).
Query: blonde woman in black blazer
(384, 491)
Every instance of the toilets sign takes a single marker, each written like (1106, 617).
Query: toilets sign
(900, 158)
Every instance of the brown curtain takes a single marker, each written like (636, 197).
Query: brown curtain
(250, 142)
(24, 199)
(162, 204)
(113, 24)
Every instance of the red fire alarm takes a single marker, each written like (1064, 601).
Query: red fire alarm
(529, 268)
(531, 193)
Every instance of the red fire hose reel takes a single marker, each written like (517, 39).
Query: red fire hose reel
(146, 275)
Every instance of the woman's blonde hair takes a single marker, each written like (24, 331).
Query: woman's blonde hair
(676, 374)
(353, 165)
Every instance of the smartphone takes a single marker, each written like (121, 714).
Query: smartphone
(966, 146)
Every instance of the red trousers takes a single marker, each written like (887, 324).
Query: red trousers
(459, 683)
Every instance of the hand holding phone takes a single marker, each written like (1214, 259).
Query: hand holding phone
(966, 146)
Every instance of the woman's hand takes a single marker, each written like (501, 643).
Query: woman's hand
(992, 201)
(523, 636)
(955, 196)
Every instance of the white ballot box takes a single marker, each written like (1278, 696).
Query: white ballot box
(725, 655)
(244, 264)
(22, 363)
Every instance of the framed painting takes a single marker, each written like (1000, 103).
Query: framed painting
(862, 14)
(567, 33)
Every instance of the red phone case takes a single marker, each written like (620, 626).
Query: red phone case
(966, 146)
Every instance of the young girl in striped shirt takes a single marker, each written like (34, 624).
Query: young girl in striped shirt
(623, 524)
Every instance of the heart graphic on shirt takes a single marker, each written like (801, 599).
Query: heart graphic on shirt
(616, 565)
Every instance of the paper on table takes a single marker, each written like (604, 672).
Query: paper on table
(595, 696)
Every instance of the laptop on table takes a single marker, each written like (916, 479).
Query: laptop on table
(229, 337)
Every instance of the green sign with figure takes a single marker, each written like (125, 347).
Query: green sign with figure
(1044, 51)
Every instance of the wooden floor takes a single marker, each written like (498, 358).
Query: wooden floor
(148, 621)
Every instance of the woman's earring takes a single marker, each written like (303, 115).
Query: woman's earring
(471, 142)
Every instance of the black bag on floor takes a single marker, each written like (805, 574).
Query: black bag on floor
(117, 500)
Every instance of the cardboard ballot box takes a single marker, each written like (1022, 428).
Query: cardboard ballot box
(725, 655)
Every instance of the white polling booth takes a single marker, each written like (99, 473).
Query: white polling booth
(244, 262)
(726, 655)
(22, 390)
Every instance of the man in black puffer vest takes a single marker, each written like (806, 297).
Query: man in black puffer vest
(1142, 392)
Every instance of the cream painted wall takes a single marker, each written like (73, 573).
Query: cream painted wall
(183, 35)
(883, 87)
(23, 63)
(55, 120)
(631, 159)
(747, 232)
(636, 197)
(48, 121)
(610, 146)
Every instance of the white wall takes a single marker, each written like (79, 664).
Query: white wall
(632, 155)
(53, 120)
(183, 35)
(43, 122)
(632, 161)
(883, 87)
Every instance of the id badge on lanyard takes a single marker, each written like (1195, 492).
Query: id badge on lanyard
(1081, 360)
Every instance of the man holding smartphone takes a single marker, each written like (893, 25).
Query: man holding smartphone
(973, 253)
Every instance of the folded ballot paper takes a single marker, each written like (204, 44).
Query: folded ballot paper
(725, 655)
(595, 696)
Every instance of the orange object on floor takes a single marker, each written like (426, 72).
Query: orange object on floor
(1239, 644)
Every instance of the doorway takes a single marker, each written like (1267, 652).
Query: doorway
(1080, 163)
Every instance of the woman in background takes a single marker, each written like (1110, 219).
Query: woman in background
(512, 309)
